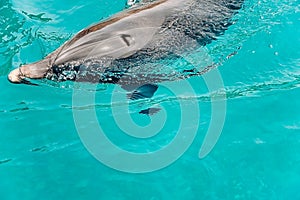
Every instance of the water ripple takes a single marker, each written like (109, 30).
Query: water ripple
(5, 161)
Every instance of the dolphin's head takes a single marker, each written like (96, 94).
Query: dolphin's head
(35, 70)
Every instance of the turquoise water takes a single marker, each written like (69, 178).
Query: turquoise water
(256, 157)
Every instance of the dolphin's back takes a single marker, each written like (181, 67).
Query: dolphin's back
(196, 23)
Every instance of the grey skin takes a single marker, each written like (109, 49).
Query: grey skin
(129, 47)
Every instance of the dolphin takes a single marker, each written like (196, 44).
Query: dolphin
(134, 45)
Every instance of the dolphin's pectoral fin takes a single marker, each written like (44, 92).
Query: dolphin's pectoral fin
(150, 111)
(142, 92)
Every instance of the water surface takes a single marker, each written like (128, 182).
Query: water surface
(256, 157)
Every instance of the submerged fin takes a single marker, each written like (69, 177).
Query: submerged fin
(142, 92)
(150, 111)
